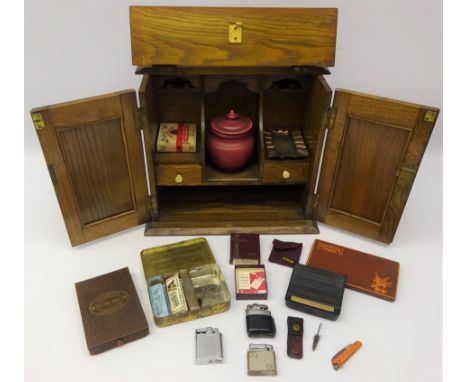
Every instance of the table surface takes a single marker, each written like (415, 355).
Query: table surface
(401, 340)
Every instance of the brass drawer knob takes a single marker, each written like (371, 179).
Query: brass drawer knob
(286, 174)
(179, 178)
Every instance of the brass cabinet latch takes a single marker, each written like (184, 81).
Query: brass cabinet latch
(235, 32)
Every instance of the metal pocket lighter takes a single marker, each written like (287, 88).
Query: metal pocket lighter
(209, 346)
(259, 321)
(261, 360)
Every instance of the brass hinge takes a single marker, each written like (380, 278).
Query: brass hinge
(150, 207)
(315, 202)
(329, 118)
(430, 116)
(140, 118)
(38, 121)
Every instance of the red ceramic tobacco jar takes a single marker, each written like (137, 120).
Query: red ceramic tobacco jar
(230, 141)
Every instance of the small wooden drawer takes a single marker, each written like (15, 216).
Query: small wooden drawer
(179, 175)
(282, 171)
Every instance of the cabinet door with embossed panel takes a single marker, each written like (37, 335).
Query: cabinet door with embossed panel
(94, 154)
(373, 150)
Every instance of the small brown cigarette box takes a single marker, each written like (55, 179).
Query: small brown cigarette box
(111, 311)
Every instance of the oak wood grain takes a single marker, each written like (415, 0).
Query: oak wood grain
(318, 103)
(231, 203)
(179, 175)
(94, 149)
(94, 155)
(285, 171)
(371, 159)
(226, 227)
(146, 97)
(198, 36)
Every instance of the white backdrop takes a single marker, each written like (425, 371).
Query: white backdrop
(82, 48)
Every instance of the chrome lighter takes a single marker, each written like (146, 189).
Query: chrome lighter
(209, 346)
(261, 360)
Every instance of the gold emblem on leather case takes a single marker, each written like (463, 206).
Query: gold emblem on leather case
(381, 284)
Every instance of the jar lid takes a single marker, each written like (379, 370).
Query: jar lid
(231, 124)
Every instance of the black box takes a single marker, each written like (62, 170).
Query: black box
(315, 291)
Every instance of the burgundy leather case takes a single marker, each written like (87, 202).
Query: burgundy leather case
(285, 253)
(245, 249)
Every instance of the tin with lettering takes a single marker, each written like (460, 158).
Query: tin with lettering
(194, 283)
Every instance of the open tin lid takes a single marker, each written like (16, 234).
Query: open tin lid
(172, 258)
(233, 37)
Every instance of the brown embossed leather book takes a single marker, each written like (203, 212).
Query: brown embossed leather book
(110, 310)
(245, 249)
(365, 273)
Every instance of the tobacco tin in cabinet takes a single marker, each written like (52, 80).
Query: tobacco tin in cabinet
(209, 346)
(195, 257)
(261, 360)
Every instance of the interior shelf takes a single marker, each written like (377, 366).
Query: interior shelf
(178, 158)
(230, 203)
(250, 173)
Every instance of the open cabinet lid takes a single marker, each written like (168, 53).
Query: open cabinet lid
(233, 37)
(373, 150)
(94, 154)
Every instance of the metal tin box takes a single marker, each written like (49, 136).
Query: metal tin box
(195, 257)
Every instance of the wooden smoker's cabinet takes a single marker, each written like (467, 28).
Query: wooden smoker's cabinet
(268, 64)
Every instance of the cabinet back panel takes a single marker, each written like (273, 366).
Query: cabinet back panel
(241, 203)
(283, 109)
(369, 151)
(232, 94)
(178, 107)
(96, 161)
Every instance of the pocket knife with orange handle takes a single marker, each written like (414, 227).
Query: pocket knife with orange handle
(344, 354)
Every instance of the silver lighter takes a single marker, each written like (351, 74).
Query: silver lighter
(261, 360)
(209, 346)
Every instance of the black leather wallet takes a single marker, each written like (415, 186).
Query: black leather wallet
(259, 320)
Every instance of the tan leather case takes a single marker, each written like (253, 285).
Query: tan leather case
(365, 273)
